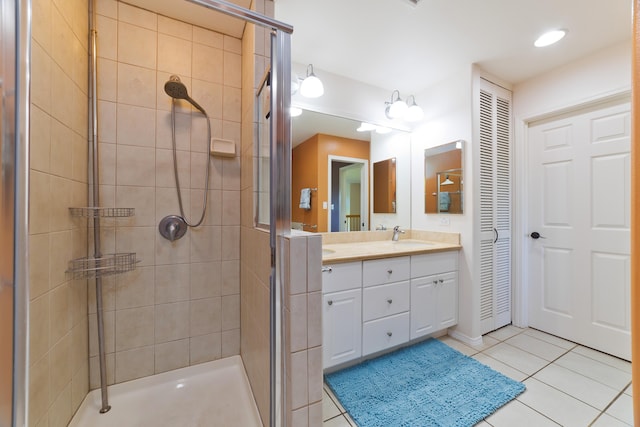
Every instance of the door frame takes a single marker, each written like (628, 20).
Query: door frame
(364, 189)
(520, 251)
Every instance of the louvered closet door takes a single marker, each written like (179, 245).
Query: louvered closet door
(495, 206)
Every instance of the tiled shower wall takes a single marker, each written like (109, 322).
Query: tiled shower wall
(58, 363)
(181, 306)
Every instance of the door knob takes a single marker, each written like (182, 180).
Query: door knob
(536, 235)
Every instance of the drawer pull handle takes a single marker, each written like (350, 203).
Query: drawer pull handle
(330, 302)
(441, 281)
(435, 282)
(327, 269)
(389, 300)
(389, 334)
(390, 271)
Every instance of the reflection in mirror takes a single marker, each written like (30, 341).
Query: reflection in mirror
(331, 159)
(444, 178)
(384, 186)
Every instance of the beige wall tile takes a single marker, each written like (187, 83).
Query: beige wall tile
(107, 42)
(298, 333)
(232, 104)
(107, 7)
(213, 215)
(170, 253)
(171, 355)
(232, 69)
(137, 16)
(131, 130)
(61, 40)
(205, 348)
(207, 37)
(230, 312)
(60, 360)
(39, 270)
(299, 380)
(206, 279)
(132, 364)
(39, 202)
(231, 243)
(231, 207)
(172, 321)
(231, 343)
(314, 361)
(60, 410)
(61, 189)
(314, 319)
(207, 63)
(205, 316)
(135, 288)
(135, 166)
(175, 28)
(62, 93)
(39, 328)
(206, 244)
(41, 22)
(79, 385)
(39, 390)
(107, 129)
(209, 96)
(59, 316)
(139, 240)
(174, 55)
(41, 69)
(315, 415)
(230, 277)
(136, 86)
(300, 417)
(298, 281)
(136, 45)
(165, 175)
(142, 199)
(231, 174)
(79, 156)
(108, 80)
(60, 150)
(134, 328)
(40, 138)
(172, 283)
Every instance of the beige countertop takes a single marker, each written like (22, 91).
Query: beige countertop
(351, 248)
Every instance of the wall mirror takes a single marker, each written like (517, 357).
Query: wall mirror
(384, 186)
(334, 180)
(444, 178)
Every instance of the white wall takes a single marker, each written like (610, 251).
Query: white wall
(448, 117)
(398, 145)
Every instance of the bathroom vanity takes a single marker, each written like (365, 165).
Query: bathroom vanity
(380, 294)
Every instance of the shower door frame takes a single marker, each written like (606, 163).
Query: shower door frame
(15, 48)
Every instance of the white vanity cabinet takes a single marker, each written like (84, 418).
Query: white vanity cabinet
(434, 292)
(341, 313)
(372, 305)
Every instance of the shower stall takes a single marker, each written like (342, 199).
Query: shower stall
(213, 295)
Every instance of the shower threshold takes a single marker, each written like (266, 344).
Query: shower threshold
(209, 394)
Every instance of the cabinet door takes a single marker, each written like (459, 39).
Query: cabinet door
(447, 300)
(341, 327)
(423, 306)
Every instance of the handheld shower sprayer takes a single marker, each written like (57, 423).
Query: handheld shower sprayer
(173, 227)
(177, 90)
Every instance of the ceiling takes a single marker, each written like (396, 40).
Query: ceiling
(391, 44)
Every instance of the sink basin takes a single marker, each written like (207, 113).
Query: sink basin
(412, 244)
(327, 252)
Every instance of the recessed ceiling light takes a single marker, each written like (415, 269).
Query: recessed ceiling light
(549, 38)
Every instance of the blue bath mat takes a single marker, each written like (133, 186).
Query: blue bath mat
(426, 384)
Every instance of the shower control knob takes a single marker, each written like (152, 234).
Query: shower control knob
(330, 302)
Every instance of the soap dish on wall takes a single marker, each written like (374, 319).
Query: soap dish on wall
(223, 147)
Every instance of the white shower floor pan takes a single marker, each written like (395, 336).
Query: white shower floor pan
(206, 395)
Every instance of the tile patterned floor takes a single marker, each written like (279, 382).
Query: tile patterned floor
(567, 384)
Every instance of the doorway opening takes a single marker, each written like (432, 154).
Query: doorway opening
(348, 194)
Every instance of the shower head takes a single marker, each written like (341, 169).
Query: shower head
(177, 90)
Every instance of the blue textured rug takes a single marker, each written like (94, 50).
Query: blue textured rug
(426, 384)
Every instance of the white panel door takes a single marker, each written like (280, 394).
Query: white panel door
(579, 204)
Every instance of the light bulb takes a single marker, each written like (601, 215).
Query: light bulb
(414, 113)
(311, 87)
(549, 38)
(398, 109)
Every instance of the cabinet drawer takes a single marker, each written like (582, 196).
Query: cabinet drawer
(387, 270)
(341, 277)
(428, 264)
(384, 333)
(385, 300)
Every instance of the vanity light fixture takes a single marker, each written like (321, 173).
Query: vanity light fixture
(311, 86)
(414, 112)
(295, 111)
(549, 38)
(447, 181)
(365, 127)
(395, 108)
(398, 109)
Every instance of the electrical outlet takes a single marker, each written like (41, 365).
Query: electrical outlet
(324, 205)
(444, 220)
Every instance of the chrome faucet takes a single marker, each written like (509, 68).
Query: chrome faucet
(381, 227)
(396, 232)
